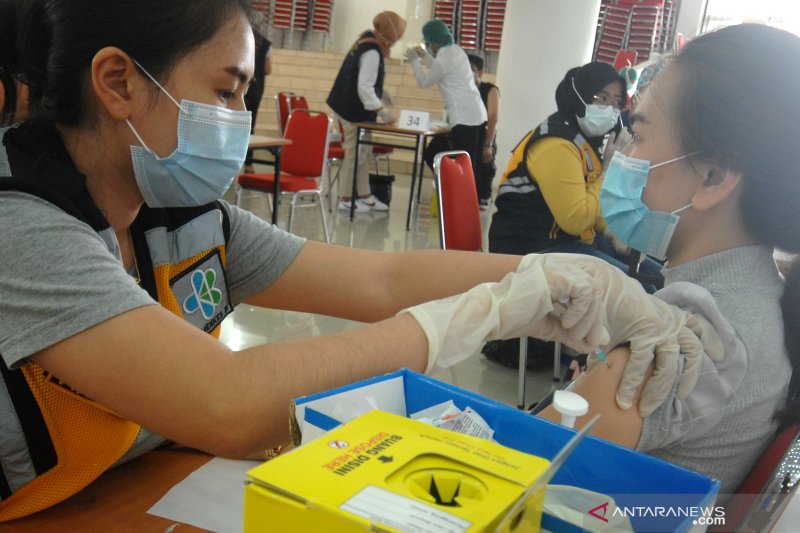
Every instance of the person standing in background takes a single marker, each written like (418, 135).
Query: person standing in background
(358, 96)
(486, 167)
(448, 67)
(252, 98)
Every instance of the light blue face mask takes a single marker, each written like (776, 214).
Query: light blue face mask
(212, 145)
(597, 120)
(649, 232)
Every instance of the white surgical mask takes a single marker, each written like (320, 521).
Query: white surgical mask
(598, 120)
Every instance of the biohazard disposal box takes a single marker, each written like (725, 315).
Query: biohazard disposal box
(385, 472)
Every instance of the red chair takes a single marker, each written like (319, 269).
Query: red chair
(625, 58)
(459, 215)
(336, 153)
(303, 164)
(460, 229)
(285, 103)
(768, 487)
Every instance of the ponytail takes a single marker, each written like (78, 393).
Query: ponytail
(790, 305)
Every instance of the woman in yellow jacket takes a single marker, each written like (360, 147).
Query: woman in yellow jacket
(548, 198)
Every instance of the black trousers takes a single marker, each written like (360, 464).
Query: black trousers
(460, 137)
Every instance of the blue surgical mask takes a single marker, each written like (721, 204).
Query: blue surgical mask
(212, 145)
(649, 232)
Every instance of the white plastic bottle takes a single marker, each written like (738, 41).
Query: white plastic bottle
(570, 405)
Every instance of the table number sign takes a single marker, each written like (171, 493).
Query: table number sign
(414, 120)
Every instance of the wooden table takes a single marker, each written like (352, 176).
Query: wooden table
(274, 145)
(394, 132)
(119, 499)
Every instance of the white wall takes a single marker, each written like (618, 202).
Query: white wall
(542, 39)
(690, 17)
(351, 17)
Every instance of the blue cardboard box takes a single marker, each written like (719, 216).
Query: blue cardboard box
(654, 494)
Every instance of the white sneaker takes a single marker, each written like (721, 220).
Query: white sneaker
(344, 205)
(373, 203)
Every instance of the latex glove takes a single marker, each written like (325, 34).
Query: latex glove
(545, 297)
(615, 142)
(411, 54)
(387, 99)
(657, 332)
(386, 116)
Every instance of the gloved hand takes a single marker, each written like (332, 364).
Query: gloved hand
(411, 54)
(656, 331)
(546, 298)
(386, 116)
(615, 142)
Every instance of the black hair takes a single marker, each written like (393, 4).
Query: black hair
(59, 38)
(720, 73)
(9, 60)
(475, 61)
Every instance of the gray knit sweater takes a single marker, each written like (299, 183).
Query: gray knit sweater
(723, 426)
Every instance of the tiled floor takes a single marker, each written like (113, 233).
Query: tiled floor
(250, 325)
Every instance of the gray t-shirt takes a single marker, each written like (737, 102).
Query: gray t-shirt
(59, 278)
(723, 426)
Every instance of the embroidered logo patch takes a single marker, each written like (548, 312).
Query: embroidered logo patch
(205, 297)
(202, 293)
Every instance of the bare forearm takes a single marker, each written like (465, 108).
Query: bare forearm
(422, 276)
(279, 372)
(491, 131)
(187, 386)
(369, 286)
(493, 112)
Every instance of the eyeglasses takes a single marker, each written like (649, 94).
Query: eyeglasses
(604, 99)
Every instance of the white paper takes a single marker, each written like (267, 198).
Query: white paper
(386, 395)
(412, 119)
(211, 497)
(403, 513)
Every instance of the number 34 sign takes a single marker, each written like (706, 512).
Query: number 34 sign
(414, 120)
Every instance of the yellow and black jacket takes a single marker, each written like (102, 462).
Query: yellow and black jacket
(180, 253)
(524, 222)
